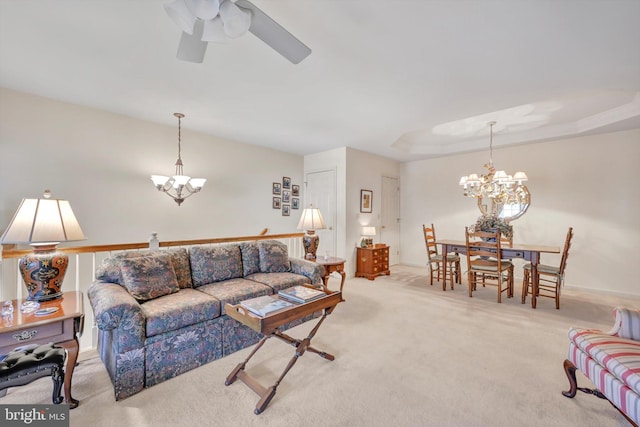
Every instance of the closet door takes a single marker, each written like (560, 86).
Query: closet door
(390, 217)
(321, 192)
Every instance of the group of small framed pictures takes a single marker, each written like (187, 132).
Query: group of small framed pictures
(286, 196)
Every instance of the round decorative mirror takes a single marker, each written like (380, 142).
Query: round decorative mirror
(510, 209)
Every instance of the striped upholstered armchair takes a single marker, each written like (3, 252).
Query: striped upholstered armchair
(611, 361)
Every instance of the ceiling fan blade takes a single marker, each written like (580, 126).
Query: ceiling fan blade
(270, 32)
(191, 47)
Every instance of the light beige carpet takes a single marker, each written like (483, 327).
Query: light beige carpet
(407, 354)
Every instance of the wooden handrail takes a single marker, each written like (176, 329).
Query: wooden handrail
(17, 253)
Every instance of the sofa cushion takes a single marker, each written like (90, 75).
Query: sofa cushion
(235, 290)
(620, 356)
(274, 257)
(109, 270)
(279, 281)
(215, 263)
(149, 277)
(250, 258)
(184, 308)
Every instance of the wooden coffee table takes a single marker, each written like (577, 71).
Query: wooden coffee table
(268, 326)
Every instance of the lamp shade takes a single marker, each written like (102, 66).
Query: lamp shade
(43, 221)
(311, 219)
(520, 176)
(197, 182)
(368, 231)
(159, 180)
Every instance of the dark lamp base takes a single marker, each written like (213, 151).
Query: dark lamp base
(43, 298)
(310, 243)
(43, 272)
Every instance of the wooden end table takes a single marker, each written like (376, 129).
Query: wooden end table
(62, 327)
(330, 265)
(268, 326)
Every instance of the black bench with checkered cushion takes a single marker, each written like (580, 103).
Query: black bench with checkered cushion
(27, 364)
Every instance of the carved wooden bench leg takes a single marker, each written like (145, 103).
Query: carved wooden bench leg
(57, 376)
(570, 370)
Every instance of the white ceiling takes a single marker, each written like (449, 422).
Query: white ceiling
(382, 74)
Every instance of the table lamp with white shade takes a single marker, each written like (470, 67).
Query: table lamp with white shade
(43, 223)
(311, 220)
(367, 232)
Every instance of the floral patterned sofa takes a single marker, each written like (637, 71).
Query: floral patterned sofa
(161, 313)
(611, 361)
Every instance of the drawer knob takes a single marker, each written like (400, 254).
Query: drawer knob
(25, 335)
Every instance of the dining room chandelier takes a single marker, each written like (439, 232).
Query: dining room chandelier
(179, 186)
(496, 185)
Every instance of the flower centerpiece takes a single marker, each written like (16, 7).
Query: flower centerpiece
(491, 223)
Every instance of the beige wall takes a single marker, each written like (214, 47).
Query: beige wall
(590, 183)
(355, 170)
(101, 163)
(364, 172)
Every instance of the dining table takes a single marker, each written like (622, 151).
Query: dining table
(525, 251)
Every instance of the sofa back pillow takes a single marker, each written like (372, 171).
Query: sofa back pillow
(181, 265)
(109, 270)
(211, 264)
(250, 258)
(274, 257)
(149, 277)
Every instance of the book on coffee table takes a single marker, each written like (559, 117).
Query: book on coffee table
(264, 305)
(301, 294)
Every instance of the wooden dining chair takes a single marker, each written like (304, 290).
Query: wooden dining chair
(550, 278)
(434, 260)
(484, 262)
(505, 242)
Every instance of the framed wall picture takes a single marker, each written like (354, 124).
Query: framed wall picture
(276, 203)
(276, 188)
(295, 191)
(286, 210)
(286, 196)
(286, 182)
(295, 203)
(366, 198)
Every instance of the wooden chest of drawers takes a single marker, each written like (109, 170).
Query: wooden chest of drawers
(372, 262)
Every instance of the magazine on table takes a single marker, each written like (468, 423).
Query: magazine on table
(301, 294)
(264, 305)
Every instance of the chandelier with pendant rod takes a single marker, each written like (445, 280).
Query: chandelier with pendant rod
(179, 186)
(496, 185)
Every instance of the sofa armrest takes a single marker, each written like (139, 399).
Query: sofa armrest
(112, 305)
(627, 324)
(308, 269)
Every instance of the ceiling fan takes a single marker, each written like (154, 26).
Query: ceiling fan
(202, 21)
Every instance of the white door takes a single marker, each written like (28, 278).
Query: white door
(321, 192)
(390, 217)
